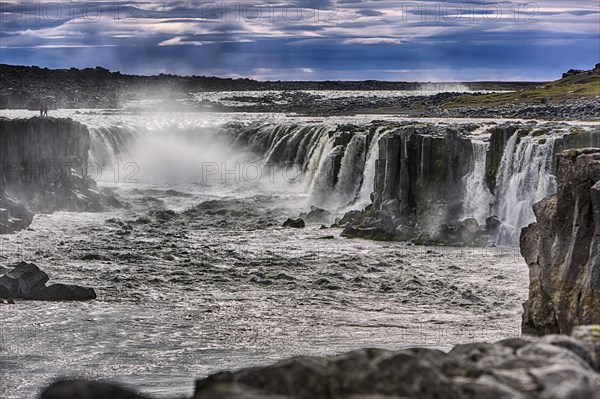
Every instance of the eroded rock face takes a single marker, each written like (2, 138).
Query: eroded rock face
(555, 366)
(562, 249)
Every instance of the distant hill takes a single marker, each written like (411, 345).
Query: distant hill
(31, 86)
(574, 85)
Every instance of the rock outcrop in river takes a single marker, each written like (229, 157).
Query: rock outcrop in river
(43, 167)
(27, 281)
(562, 249)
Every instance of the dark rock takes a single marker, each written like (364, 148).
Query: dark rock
(63, 292)
(406, 233)
(5, 293)
(82, 389)
(349, 232)
(27, 281)
(492, 225)
(95, 257)
(14, 216)
(23, 280)
(562, 249)
(162, 214)
(528, 367)
(349, 217)
(316, 215)
(295, 223)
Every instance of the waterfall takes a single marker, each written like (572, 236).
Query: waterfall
(351, 173)
(525, 177)
(108, 143)
(368, 179)
(477, 196)
(337, 163)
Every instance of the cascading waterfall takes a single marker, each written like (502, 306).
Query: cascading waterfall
(477, 196)
(334, 174)
(525, 177)
(107, 143)
(352, 168)
(368, 179)
(337, 167)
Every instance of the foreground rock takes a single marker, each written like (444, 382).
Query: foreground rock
(562, 249)
(82, 389)
(27, 281)
(551, 367)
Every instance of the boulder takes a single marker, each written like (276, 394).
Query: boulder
(295, 223)
(562, 249)
(555, 366)
(492, 225)
(349, 232)
(24, 279)
(316, 215)
(63, 292)
(27, 281)
(406, 233)
(83, 389)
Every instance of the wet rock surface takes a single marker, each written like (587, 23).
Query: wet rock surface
(27, 281)
(562, 249)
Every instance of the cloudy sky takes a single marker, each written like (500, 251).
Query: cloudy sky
(308, 39)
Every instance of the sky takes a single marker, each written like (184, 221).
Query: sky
(308, 39)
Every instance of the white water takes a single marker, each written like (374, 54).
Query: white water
(368, 179)
(525, 177)
(477, 196)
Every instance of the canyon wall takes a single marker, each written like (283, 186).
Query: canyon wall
(562, 249)
(43, 166)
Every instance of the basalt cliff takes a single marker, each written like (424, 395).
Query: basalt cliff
(43, 168)
(562, 249)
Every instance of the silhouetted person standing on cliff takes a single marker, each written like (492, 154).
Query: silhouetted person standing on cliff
(41, 110)
(45, 110)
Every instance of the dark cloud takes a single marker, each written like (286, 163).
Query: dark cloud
(382, 39)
